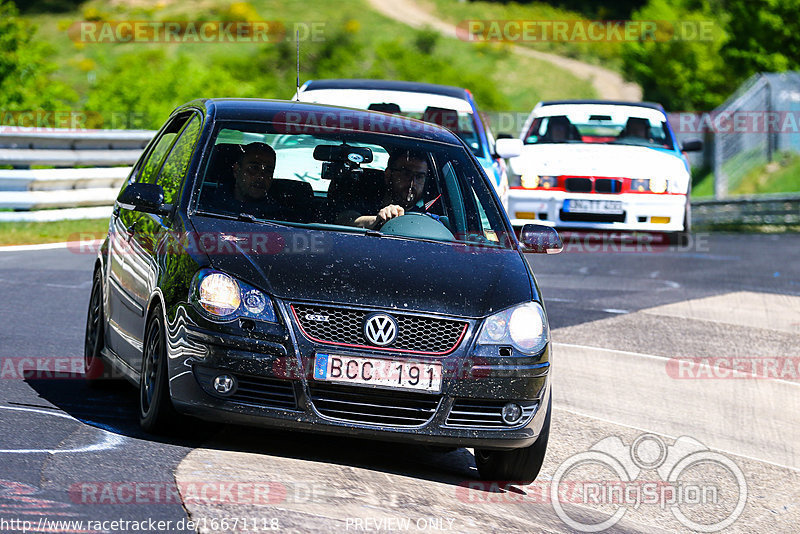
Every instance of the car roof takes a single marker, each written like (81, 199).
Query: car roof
(388, 85)
(318, 117)
(651, 105)
(586, 108)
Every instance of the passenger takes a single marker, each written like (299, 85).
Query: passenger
(253, 172)
(558, 129)
(637, 128)
(249, 191)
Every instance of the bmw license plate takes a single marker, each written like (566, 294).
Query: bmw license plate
(579, 205)
(395, 374)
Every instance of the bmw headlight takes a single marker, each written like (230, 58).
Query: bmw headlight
(524, 327)
(221, 296)
(659, 185)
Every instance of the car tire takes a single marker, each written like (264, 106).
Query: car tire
(518, 465)
(156, 412)
(682, 238)
(93, 365)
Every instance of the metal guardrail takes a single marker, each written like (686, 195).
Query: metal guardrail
(64, 192)
(67, 192)
(761, 210)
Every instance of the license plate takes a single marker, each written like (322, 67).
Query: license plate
(577, 205)
(396, 374)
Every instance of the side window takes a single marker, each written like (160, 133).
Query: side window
(152, 164)
(174, 169)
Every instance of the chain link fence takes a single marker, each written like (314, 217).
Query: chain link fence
(761, 119)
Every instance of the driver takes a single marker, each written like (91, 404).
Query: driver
(404, 183)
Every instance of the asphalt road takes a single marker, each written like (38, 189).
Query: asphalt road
(620, 320)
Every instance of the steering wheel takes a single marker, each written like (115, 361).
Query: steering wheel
(419, 225)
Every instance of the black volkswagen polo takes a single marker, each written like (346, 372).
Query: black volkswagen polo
(325, 269)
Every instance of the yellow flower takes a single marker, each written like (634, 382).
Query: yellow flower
(352, 26)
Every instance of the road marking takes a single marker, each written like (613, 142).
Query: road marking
(49, 246)
(110, 441)
(741, 308)
(665, 359)
(640, 392)
(668, 436)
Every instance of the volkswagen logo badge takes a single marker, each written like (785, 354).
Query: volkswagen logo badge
(380, 329)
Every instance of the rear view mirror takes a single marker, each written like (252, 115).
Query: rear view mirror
(540, 239)
(147, 198)
(692, 145)
(508, 148)
(352, 155)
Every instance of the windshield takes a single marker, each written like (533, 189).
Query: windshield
(349, 181)
(622, 125)
(453, 113)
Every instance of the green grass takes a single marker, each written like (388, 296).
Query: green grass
(29, 233)
(520, 81)
(780, 176)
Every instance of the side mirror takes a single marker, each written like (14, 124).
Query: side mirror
(148, 198)
(540, 239)
(508, 148)
(692, 145)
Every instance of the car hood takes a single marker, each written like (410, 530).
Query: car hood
(355, 269)
(600, 160)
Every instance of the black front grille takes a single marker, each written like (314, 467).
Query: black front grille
(484, 413)
(373, 406)
(345, 326)
(608, 185)
(267, 392)
(578, 185)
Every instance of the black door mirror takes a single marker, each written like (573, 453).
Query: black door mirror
(692, 145)
(148, 198)
(540, 239)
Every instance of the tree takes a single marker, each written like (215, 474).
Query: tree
(25, 82)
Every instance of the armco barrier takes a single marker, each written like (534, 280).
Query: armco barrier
(66, 191)
(761, 210)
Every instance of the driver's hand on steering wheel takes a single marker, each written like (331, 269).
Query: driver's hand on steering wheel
(389, 212)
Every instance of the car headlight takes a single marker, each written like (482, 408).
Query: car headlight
(535, 181)
(658, 185)
(221, 296)
(524, 327)
(640, 185)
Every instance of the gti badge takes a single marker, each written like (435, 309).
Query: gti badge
(318, 317)
(380, 329)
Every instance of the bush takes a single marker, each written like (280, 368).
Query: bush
(25, 82)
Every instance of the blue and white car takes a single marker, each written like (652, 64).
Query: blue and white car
(601, 165)
(451, 107)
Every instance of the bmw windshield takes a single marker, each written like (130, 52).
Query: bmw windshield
(621, 125)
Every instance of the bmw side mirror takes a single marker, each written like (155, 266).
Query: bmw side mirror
(692, 145)
(508, 148)
(540, 239)
(147, 198)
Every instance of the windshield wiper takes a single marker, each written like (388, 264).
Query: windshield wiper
(244, 217)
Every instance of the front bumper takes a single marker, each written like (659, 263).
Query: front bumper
(280, 390)
(641, 211)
